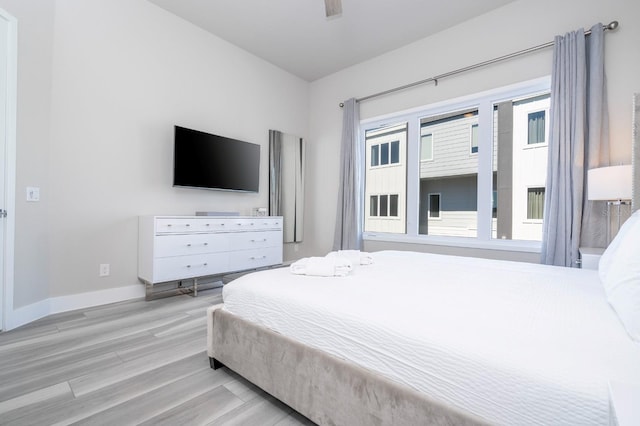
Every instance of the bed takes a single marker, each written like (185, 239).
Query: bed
(419, 338)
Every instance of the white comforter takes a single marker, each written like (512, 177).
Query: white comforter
(514, 343)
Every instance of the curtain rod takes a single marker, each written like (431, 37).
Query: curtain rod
(612, 26)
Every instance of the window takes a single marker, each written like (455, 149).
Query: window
(426, 147)
(470, 185)
(474, 138)
(453, 174)
(375, 155)
(373, 206)
(519, 123)
(393, 205)
(535, 203)
(536, 126)
(395, 152)
(434, 205)
(386, 178)
(385, 154)
(383, 205)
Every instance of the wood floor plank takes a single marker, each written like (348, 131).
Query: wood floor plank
(200, 410)
(154, 403)
(60, 373)
(21, 405)
(117, 393)
(107, 376)
(24, 367)
(257, 412)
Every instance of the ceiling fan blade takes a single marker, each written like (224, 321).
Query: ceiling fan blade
(333, 7)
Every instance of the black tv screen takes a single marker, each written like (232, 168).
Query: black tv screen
(203, 160)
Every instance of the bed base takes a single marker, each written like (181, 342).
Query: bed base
(322, 387)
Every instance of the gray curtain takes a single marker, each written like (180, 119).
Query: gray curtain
(348, 232)
(578, 138)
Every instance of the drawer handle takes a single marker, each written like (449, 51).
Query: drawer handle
(169, 225)
(264, 240)
(222, 224)
(251, 223)
(205, 264)
(206, 244)
(188, 266)
(258, 258)
(188, 225)
(189, 245)
(208, 224)
(239, 224)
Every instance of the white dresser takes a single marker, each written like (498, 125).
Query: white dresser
(173, 248)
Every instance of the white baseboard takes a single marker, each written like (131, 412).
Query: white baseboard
(55, 305)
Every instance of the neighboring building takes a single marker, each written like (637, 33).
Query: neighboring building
(449, 172)
(386, 179)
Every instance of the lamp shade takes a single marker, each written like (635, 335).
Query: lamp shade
(609, 183)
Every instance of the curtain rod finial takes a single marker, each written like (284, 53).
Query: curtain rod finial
(341, 105)
(613, 25)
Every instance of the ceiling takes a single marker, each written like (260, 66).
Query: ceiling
(296, 36)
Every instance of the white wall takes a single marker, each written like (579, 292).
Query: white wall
(517, 26)
(102, 83)
(35, 52)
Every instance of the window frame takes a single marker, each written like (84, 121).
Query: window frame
(527, 219)
(477, 147)
(439, 195)
(484, 101)
(432, 147)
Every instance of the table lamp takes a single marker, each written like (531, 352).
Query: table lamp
(613, 185)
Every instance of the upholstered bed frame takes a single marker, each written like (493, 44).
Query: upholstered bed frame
(324, 388)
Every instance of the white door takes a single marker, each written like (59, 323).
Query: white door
(8, 59)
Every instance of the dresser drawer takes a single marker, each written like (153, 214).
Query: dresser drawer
(253, 240)
(253, 224)
(250, 259)
(187, 244)
(180, 225)
(181, 267)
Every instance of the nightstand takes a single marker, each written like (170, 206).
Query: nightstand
(590, 257)
(624, 409)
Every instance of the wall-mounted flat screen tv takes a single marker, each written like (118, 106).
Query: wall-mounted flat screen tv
(204, 160)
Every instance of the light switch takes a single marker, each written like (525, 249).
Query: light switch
(33, 193)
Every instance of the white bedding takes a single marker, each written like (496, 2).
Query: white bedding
(514, 343)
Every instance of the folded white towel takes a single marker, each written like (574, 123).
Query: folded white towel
(356, 257)
(322, 266)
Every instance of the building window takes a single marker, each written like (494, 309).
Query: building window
(385, 154)
(393, 205)
(384, 205)
(373, 205)
(434, 206)
(536, 126)
(474, 138)
(375, 155)
(426, 147)
(535, 203)
(395, 152)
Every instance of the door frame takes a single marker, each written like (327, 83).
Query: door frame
(9, 202)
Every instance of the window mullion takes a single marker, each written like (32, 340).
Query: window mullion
(485, 167)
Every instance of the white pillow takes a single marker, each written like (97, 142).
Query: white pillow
(619, 271)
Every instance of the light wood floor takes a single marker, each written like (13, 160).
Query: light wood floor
(127, 363)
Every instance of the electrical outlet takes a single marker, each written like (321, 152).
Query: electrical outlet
(104, 270)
